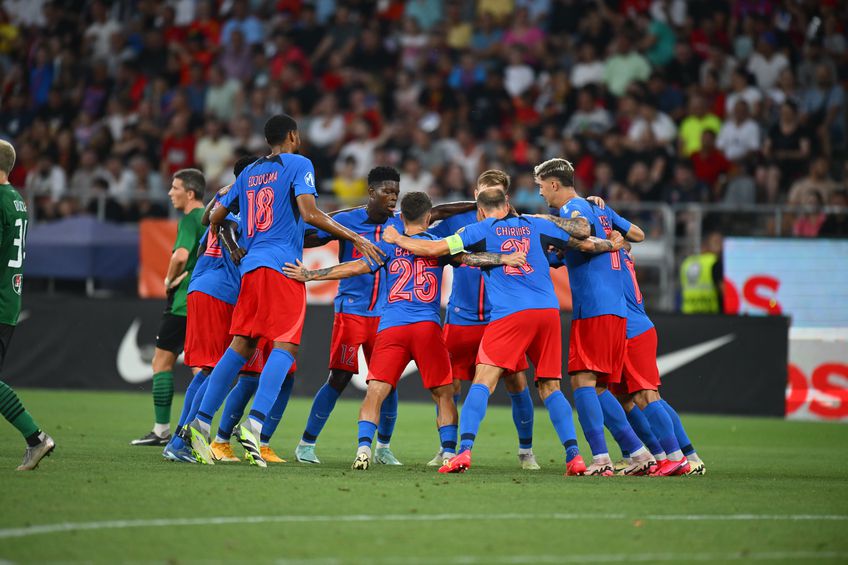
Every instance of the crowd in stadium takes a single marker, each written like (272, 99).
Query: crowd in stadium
(709, 101)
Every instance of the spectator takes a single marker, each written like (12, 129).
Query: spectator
(766, 64)
(818, 180)
(836, 222)
(657, 42)
(425, 12)
(46, 180)
(787, 148)
(739, 138)
(589, 120)
(743, 90)
(695, 124)
(347, 186)
(624, 66)
(235, 58)
(99, 33)
(139, 182)
(710, 164)
(518, 75)
(177, 147)
(413, 178)
(214, 152)
(221, 95)
(809, 222)
(651, 129)
(823, 110)
(245, 23)
(685, 186)
(588, 69)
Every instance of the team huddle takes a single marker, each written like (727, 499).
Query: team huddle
(246, 304)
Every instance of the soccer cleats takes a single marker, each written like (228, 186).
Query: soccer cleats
(177, 450)
(458, 464)
(199, 445)
(245, 436)
(528, 461)
(152, 439)
(576, 467)
(668, 468)
(640, 465)
(600, 468)
(36, 453)
(438, 460)
(697, 468)
(306, 454)
(362, 462)
(269, 456)
(384, 456)
(223, 451)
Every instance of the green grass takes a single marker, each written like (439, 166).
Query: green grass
(756, 467)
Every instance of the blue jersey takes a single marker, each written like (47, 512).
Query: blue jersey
(638, 321)
(264, 195)
(414, 286)
(597, 287)
(215, 274)
(362, 295)
(469, 302)
(513, 289)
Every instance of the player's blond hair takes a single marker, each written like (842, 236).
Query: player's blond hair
(560, 169)
(7, 156)
(493, 177)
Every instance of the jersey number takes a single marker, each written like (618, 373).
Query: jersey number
(260, 211)
(614, 256)
(426, 284)
(213, 248)
(632, 268)
(513, 245)
(19, 242)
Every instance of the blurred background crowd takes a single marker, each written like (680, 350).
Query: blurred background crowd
(701, 101)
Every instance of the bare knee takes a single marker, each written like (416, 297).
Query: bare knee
(645, 397)
(515, 382)
(339, 380)
(163, 360)
(547, 387)
(582, 379)
(244, 346)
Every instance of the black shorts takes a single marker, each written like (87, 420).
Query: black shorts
(6, 332)
(172, 331)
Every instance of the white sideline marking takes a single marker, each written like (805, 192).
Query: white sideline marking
(221, 520)
(586, 558)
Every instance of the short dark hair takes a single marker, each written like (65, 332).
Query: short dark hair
(557, 168)
(414, 205)
(243, 163)
(278, 127)
(378, 175)
(193, 181)
(491, 199)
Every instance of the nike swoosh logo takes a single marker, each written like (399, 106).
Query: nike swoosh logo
(132, 366)
(527, 422)
(676, 359)
(358, 379)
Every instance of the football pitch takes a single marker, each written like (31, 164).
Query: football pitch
(774, 491)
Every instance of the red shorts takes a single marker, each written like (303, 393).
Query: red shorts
(597, 345)
(270, 305)
(422, 342)
(349, 333)
(536, 334)
(640, 370)
(463, 343)
(208, 334)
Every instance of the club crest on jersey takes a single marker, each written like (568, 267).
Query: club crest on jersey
(309, 179)
(17, 283)
(574, 213)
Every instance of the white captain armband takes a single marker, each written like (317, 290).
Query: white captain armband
(455, 244)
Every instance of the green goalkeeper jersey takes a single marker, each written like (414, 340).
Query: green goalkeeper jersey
(189, 232)
(13, 229)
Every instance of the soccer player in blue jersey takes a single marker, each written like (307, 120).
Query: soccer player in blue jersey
(275, 199)
(212, 293)
(468, 314)
(525, 313)
(409, 326)
(358, 305)
(599, 319)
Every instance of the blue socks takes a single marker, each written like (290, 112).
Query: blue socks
(560, 412)
(277, 410)
(388, 417)
(522, 415)
(642, 427)
(270, 383)
(679, 431)
(191, 391)
(322, 407)
(664, 429)
(197, 401)
(218, 383)
(447, 438)
(234, 406)
(616, 421)
(591, 418)
(473, 412)
(366, 433)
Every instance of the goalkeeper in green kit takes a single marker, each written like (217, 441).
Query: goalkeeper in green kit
(13, 228)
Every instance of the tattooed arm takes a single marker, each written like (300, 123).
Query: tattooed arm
(596, 245)
(300, 273)
(575, 227)
(483, 259)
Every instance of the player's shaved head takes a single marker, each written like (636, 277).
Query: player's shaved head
(493, 178)
(278, 128)
(490, 200)
(415, 205)
(379, 175)
(243, 163)
(193, 181)
(7, 156)
(559, 169)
